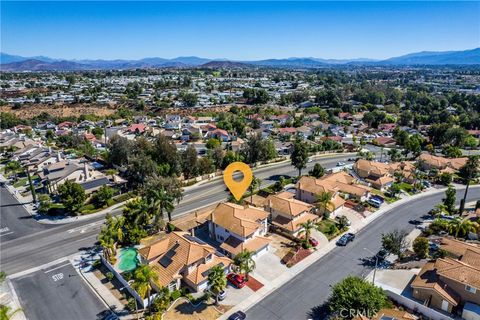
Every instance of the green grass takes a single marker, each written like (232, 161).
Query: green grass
(20, 183)
(325, 227)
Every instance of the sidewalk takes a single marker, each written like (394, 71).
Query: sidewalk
(9, 298)
(290, 273)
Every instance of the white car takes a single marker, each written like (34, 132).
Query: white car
(340, 164)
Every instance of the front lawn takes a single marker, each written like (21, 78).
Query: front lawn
(330, 228)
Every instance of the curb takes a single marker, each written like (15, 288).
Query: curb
(315, 256)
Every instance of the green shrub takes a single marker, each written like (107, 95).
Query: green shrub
(127, 276)
(109, 276)
(131, 304)
(175, 295)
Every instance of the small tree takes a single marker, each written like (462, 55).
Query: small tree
(244, 262)
(445, 178)
(72, 196)
(217, 281)
(101, 197)
(354, 296)
(45, 203)
(420, 247)
(394, 189)
(450, 198)
(395, 242)
(318, 171)
(299, 156)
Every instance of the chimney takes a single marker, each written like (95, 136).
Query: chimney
(59, 157)
(86, 171)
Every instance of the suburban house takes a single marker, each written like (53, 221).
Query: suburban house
(77, 171)
(288, 214)
(378, 174)
(347, 185)
(239, 228)
(180, 257)
(429, 162)
(449, 283)
(309, 188)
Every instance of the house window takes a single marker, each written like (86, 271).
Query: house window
(470, 289)
(172, 286)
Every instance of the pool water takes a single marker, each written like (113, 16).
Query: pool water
(128, 260)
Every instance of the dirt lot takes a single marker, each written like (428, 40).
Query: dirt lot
(30, 111)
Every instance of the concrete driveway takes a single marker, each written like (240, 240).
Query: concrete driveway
(268, 267)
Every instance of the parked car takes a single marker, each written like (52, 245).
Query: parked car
(237, 280)
(426, 184)
(433, 246)
(340, 164)
(415, 222)
(313, 242)
(377, 197)
(374, 202)
(345, 239)
(239, 315)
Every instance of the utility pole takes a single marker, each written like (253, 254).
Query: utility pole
(32, 189)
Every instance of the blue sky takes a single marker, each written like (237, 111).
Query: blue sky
(236, 30)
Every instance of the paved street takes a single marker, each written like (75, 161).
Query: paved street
(15, 221)
(48, 294)
(48, 243)
(299, 298)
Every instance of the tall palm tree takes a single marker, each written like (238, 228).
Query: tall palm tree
(140, 210)
(324, 200)
(5, 313)
(110, 234)
(143, 277)
(217, 281)
(244, 262)
(160, 202)
(468, 173)
(307, 228)
(256, 183)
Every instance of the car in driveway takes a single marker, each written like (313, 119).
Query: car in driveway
(345, 239)
(237, 280)
(239, 315)
(313, 242)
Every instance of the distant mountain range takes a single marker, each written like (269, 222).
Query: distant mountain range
(40, 63)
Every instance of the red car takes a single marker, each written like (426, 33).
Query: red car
(237, 280)
(313, 242)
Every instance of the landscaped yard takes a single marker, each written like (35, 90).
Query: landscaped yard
(329, 228)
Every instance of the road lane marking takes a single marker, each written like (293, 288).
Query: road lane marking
(1, 235)
(4, 229)
(61, 266)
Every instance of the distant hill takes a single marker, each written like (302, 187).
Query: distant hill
(225, 64)
(437, 58)
(37, 65)
(19, 63)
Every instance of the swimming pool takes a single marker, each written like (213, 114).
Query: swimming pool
(128, 260)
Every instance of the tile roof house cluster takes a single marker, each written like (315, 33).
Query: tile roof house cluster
(381, 175)
(428, 162)
(239, 228)
(180, 257)
(339, 183)
(288, 214)
(449, 283)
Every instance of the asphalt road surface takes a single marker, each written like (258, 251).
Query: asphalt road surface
(15, 221)
(300, 297)
(48, 294)
(43, 244)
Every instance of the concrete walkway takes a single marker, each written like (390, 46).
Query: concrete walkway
(301, 266)
(9, 298)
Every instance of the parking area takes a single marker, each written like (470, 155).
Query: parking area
(57, 292)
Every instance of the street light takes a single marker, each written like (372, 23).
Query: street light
(376, 264)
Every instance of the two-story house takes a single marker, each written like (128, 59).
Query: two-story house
(289, 214)
(239, 228)
(450, 283)
(309, 188)
(180, 257)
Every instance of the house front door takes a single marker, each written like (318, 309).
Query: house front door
(445, 305)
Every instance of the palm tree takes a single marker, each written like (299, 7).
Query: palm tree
(463, 227)
(256, 183)
(110, 234)
(307, 228)
(160, 202)
(245, 263)
(324, 200)
(140, 210)
(217, 280)
(5, 313)
(144, 276)
(469, 172)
